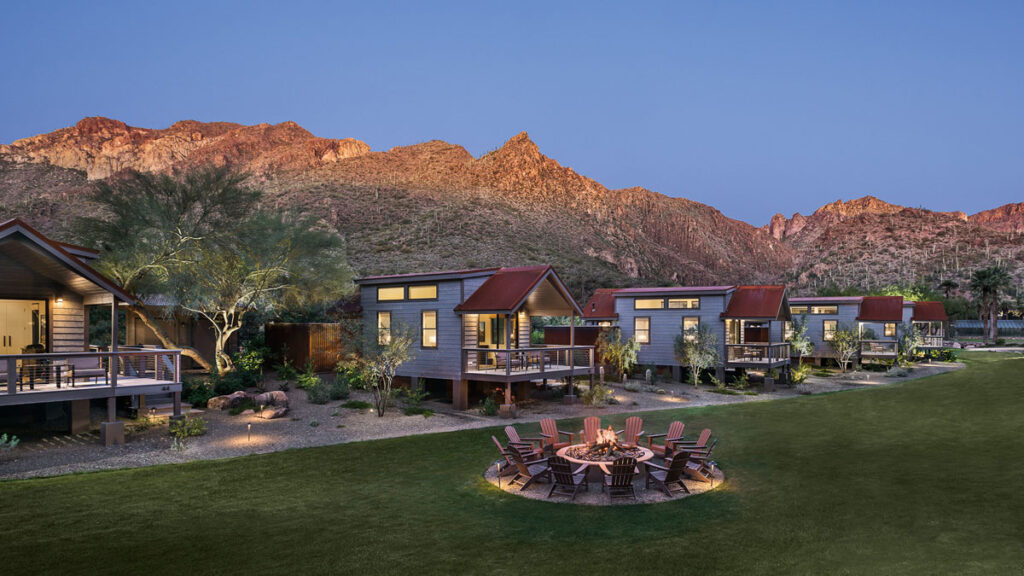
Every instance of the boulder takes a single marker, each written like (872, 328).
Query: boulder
(271, 412)
(274, 398)
(226, 402)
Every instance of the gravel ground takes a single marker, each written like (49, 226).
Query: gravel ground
(228, 436)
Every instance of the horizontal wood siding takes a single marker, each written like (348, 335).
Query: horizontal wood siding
(524, 330)
(441, 362)
(847, 317)
(666, 324)
(67, 324)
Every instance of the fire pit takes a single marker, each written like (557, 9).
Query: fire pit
(605, 450)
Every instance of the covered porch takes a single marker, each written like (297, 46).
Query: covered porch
(754, 320)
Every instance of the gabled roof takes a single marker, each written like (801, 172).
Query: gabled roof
(507, 289)
(881, 309)
(427, 276)
(664, 290)
(601, 305)
(758, 301)
(63, 254)
(929, 311)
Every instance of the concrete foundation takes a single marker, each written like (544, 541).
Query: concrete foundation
(460, 394)
(112, 433)
(508, 411)
(79, 416)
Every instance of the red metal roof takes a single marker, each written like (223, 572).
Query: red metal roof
(761, 301)
(881, 309)
(601, 304)
(826, 299)
(929, 312)
(414, 275)
(507, 288)
(673, 289)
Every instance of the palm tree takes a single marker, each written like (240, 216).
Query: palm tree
(947, 287)
(987, 284)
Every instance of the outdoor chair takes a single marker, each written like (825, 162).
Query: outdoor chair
(86, 368)
(695, 446)
(553, 436)
(591, 424)
(528, 472)
(618, 478)
(664, 449)
(566, 481)
(631, 434)
(524, 443)
(505, 468)
(668, 479)
(696, 467)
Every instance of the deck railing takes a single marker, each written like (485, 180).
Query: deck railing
(57, 370)
(522, 360)
(871, 348)
(932, 342)
(766, 353)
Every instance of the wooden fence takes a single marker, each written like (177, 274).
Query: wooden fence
(324, 344)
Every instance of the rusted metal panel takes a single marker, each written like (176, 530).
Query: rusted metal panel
(322, 343)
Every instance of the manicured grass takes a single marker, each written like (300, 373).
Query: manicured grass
(924, 477)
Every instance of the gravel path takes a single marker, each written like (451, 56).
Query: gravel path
(318, 425)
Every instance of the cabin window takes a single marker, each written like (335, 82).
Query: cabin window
(824, 310)
(828, 329)
(642, 330)
(423, 292)
(648, 303)
(684, 303)
(428, 329)
(798, 309)
(690, 325)
(383, 328)
(890, 329)
(390, 293)
(787, 330)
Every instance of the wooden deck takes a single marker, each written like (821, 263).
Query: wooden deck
(758, 356)
(527, 364)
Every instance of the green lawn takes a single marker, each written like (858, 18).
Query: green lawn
(925, 477)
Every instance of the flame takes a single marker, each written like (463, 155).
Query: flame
(606, 436)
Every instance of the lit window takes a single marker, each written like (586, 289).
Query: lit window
(690, 324)
(685, 303)
(648, 303)
(824, 309)
(383, 328)
(390, 293)
(425, 292)
(642, 330)
(787, 330)
(890, 329)
(428, 329)
(798, 309)
(828, 329)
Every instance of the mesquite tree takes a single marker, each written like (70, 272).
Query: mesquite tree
(697, 348)
(910, 339)
(622, 356)
(799, 340)
(845, 343)
(382, 358)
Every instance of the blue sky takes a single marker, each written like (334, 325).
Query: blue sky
(754, 108)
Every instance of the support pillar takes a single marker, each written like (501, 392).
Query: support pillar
(523, 391)
(720, 373)
(460, 394)
(112, 431)
(677, 374)
(79, 416)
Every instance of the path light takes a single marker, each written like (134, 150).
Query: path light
(712, 464)
(250, 431)
(497, 472)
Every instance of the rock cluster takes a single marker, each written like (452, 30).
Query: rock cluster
(274, 404)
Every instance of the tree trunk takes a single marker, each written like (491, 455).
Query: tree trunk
(165, 340)
(993, 322)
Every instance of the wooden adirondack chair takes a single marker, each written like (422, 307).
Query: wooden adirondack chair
(528, 472)
(630, 435)
(696, 467)
(699, 445)
(532, 445)
(591, 424)
(553, 436)
(567, 482)
(669, 478)
(664, 449)
(618, 478)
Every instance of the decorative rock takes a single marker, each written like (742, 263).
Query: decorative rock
(226, 402)
(248, 412)
(274, 398)
(271, 412)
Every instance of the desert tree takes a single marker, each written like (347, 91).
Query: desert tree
(145, 226)
(909, 341)
(988, 284)
(801, 343)
(845, 344)
(265, 263)
(621, 355)
(697, 348)
(382, 356)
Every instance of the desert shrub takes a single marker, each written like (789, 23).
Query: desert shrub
(314, 423)
(1000, 342)
(307, 378)
(352, 372)
(357, 405)
(338, 389)
(198, 391)
(741, 382)
(414, 410)
(633, 386)
(285, 371)
(489, 407)
(804, 389)
(947, 355)
(596, 395)
(718, 384)
(9, 442)
(242, 406)
(317, 392)
(185, 429)
(249, 367)
(414, 396)
(897, 372)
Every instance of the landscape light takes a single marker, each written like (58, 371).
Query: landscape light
(250, 431)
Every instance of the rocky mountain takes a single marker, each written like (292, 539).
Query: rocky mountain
(435, 206)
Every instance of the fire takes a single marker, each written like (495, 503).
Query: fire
(607, 437)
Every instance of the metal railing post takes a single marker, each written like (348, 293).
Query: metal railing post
(12, 375)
